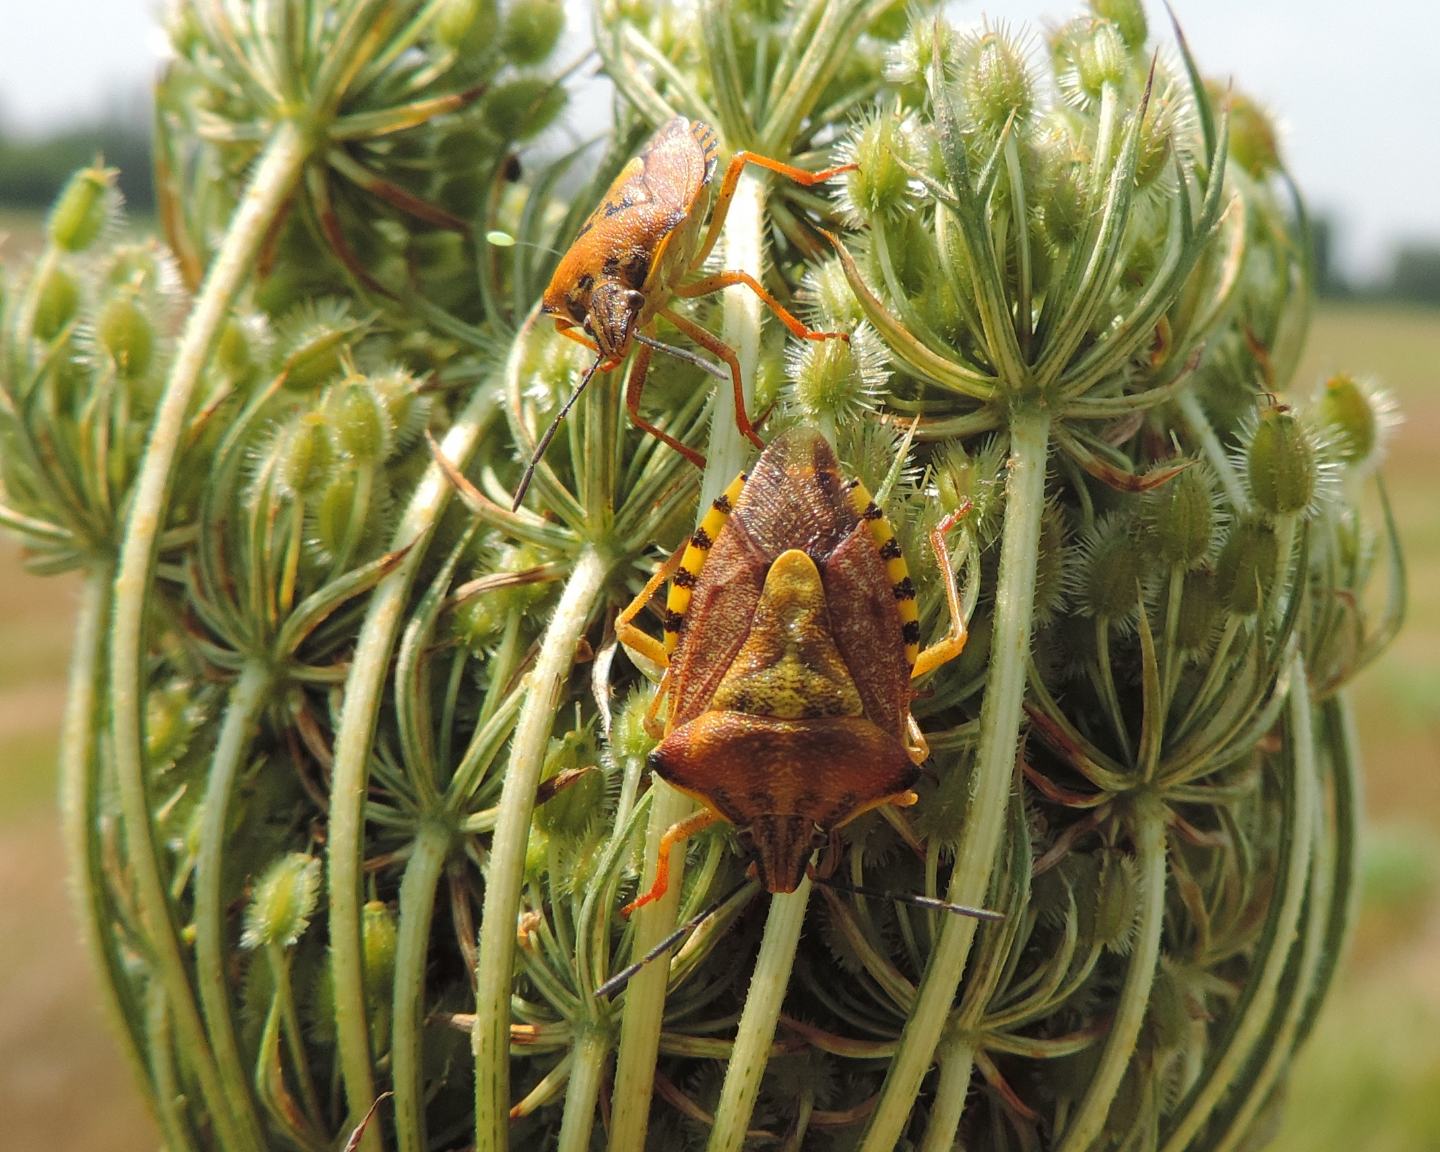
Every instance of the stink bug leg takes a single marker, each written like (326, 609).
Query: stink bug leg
(953, 643)
(673, 836)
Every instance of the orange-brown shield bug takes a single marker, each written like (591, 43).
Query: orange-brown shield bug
(633, 255)
(791, 639)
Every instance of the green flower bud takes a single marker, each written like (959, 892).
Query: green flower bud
(171, 719)
(519, 108)
(1180, 517)
(283, 901)
(532, 29)
(880, 186)
(1128, 16)
(56, 302)
(360, 422)
(312, 341)
(378, 940)
(1254, 146)
(1200, 610)
(464, 26)
(995, 82)
(1355, 419)
(1246, 567)
(578, 796)
(88, 202)
(1280, 463)
(475, 623)
(1116, 901)
(1112, 569)
(835, 379)
(306, 455)
(125, 332)
(1064, 205)
(1098, 58)
(235, 350)
(834, 300)
(334, 514)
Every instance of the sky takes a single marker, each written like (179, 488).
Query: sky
(1354, 88)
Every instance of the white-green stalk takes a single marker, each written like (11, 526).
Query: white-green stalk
(505, 872)
(992, 773)
(350, 772)
(265, 196)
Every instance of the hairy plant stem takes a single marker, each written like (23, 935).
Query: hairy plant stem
(991, 776)
(956, 1060)
(265, 196)
(412, 951)
(645, 996)
(80, 808)
(1254, 1010)
(1147, 829)
(591, 1048)
(759, 1018)
(350, 773)
(505, 872)
(242, 713)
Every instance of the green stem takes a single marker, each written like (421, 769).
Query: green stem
(1255, 1007)
(1195, 419)
(505, 874)
(79, 806)
(412, 950)
(169, 1097)
(645, 995)
(351, 770)
(758, 1021)
(242, 713)
(1089, 1118)
(991, 778)
(956, 1060)
(591, 1048)
(269, 188)
(1288, 1009)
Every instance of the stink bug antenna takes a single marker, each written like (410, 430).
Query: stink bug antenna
(621, 978)
(913, 899)
(550, 432)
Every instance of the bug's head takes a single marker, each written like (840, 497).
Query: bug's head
(614, 315)
(781, 846)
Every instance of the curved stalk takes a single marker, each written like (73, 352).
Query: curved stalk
(994, 768)
(351, 770)
(242, 713)
(412, 949)
(505, 873)
(265, 196)
(759, 1018)
(645, 997)
(1253, 1012)
(79, 806)
(591, 1047)
(1089, 1118)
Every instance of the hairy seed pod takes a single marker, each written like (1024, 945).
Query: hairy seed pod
(996, 83)
(1281, 463)
(56, 302)
(1128, 16)
(880, 185)
(1180, 517)
(531, 30)
(283, 900)
(1246, 567)
(126, 333)
(1352, 417)
(88, 202)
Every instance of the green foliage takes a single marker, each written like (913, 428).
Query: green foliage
(1080, 290)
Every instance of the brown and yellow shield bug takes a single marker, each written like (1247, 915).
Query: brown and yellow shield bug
(791, 640)
(632, 256)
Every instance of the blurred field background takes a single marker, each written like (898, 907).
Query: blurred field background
(1369, 1079)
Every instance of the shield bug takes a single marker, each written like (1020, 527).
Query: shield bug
(633, 255)
(791, 639)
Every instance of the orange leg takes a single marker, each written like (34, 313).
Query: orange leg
(734, 276)
(638, 369)
(725, 352)
(673, 835)
(570, 332)
(732, 178)
(953, 642)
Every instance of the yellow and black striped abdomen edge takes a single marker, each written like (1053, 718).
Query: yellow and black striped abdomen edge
(677, 603)
(896, 570)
